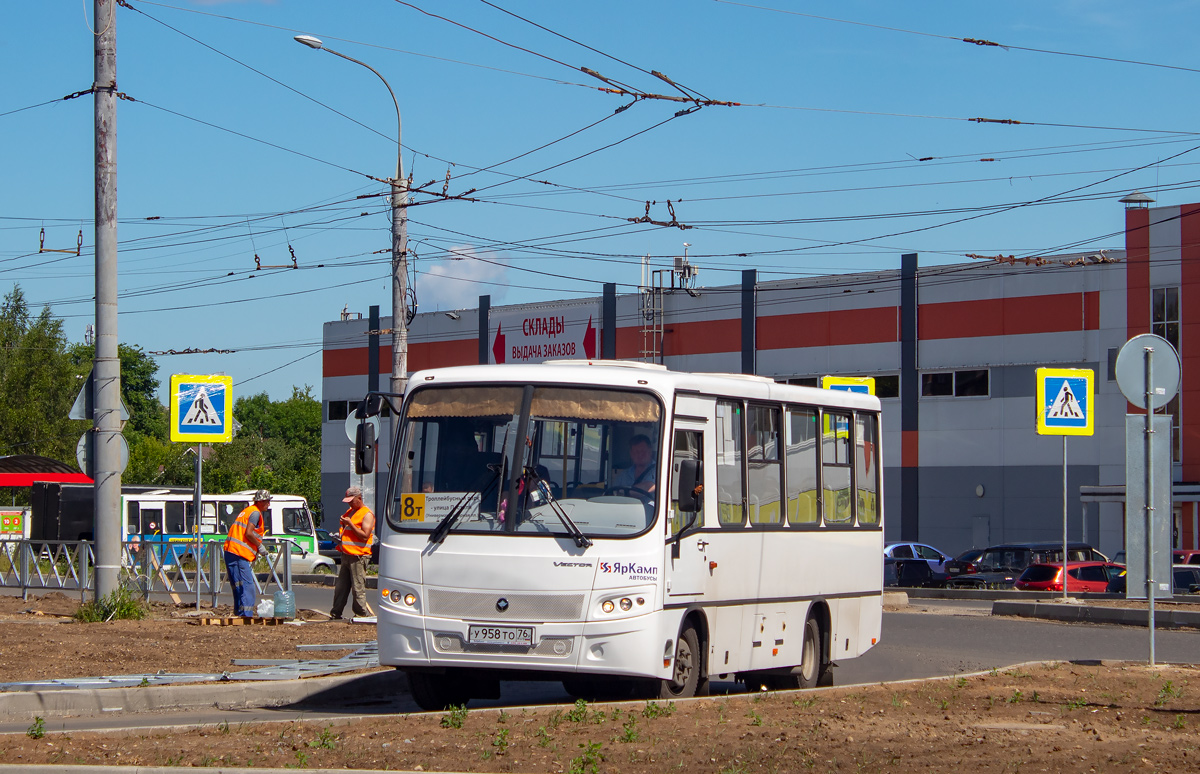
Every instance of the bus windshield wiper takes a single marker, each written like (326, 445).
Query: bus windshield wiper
(447, 523)
(536, 481)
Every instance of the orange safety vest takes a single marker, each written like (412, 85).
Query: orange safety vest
(350, 543)
(239, 540)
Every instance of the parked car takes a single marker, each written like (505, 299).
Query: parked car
(966, 563)
(1081, 576)
(935, 559)
(1001, 565)
(1185, 556)
(326, 543)
(910, 573)
(1185, 579)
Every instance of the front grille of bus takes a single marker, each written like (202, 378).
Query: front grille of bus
(551, 647)
(477, 606)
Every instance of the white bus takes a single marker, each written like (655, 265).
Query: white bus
(516, 547)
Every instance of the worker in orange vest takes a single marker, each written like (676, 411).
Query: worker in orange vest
(358, 529)
(242, 546)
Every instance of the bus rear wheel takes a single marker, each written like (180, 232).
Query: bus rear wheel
(814, 670)
(434, 692)
(686, 678)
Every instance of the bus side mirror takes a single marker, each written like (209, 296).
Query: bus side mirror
(370, 406)
(691, 489)
(364, 448)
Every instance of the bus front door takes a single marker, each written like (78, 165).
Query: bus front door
(687, 555)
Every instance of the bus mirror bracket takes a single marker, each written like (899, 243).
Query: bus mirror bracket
(372, 404)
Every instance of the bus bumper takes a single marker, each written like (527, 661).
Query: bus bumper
(628, 647)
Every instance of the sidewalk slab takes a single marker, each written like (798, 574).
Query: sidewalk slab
(1164, 617)
(338, 689)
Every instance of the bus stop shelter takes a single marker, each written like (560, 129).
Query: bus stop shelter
(24, 469)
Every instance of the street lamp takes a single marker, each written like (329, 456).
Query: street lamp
(399, 235)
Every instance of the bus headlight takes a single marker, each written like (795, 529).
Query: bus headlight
(626, 604)
(608, 606)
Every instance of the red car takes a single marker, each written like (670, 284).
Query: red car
(1185, 556)
(1081, 576)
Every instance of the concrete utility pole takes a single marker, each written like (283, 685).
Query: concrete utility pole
(106, 368)
(399, 234)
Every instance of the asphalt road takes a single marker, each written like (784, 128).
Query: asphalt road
(930, 639)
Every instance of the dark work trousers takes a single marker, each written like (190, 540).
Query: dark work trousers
(352, 576)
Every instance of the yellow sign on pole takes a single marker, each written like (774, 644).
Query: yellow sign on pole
(863, 384)
(1065, 398)
(201, 408)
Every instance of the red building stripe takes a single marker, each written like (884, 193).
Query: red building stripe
(1189, 344)
(428, 354)
(837, 328)
(1137, 272)
(1016, 316)
(910, 449)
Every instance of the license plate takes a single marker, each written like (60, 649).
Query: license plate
(953, 570)
(500, 635)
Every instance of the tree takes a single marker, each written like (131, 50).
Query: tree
(278, 447)
(38, 383)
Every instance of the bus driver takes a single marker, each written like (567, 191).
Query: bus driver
(640, 474)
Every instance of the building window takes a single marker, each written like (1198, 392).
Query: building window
(1164, 314)
(971, 383)
(933, 385)
(338, 411)
(803, 381)
(887, 386)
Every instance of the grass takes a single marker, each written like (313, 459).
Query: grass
(121, 605)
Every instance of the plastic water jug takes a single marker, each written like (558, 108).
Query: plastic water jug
(285, 604)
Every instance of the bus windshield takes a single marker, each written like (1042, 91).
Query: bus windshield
(528, 460)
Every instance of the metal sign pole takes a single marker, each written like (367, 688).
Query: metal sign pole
(1149, 482)
(1064, 558)
(197, 514)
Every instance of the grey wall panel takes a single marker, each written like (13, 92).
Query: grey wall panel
(820, 361)
(333, 487)
(1020, 503)
(891, 504)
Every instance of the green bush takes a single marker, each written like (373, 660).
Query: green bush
(120, 604)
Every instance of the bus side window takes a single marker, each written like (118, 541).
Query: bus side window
(835, 468)
(689, 445)
(763, 478)
(802, 495)
(731, 495)
(867, 469)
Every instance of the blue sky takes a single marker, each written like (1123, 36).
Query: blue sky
(851, 146)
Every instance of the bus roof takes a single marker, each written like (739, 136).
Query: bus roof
(635, 375)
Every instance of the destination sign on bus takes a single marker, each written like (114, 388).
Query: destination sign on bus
(423, 506)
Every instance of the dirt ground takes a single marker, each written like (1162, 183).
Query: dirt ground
(39, 640)
(1060, 718)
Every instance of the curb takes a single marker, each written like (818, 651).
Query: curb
(248, 694)
(1050, 611)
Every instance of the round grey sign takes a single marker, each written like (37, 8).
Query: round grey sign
(1131, 370)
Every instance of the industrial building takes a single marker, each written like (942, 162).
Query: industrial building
(953, 350)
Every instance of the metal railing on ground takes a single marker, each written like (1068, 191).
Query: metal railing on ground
(149, 567)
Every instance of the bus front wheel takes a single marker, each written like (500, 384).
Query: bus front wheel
(686, 678)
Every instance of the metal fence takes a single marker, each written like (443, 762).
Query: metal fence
(175, 569)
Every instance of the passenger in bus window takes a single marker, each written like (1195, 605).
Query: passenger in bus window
(641, 473)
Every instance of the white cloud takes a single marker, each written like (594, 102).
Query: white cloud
(458, 282)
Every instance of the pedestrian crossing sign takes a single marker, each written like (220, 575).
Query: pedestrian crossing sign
(860, 384)
(201, 408)
(1065, 400)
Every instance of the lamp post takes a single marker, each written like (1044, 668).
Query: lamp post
(399, 235)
